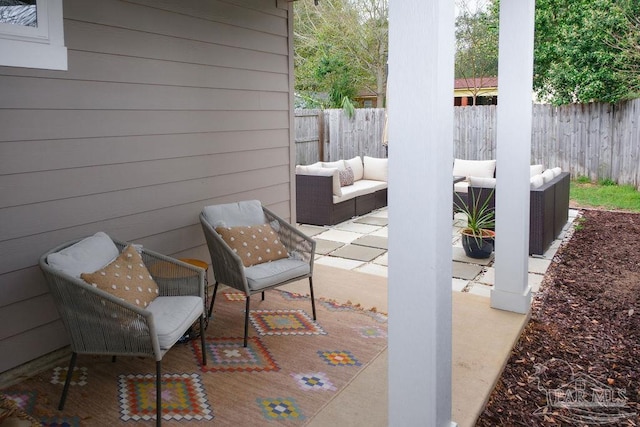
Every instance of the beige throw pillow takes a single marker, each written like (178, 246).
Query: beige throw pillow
(254, 244)
(126, 278)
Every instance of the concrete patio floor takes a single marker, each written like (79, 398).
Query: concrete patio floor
(354, 255)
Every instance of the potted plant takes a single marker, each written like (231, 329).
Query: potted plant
(478, 236)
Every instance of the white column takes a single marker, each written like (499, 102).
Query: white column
(515, 76)
(421, 54)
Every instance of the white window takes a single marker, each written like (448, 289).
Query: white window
(32, 34)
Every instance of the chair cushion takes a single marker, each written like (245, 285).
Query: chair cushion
(272, 273)
(376, 169)
(357, 166)
(254, 244)
(320, 171)
(248, 212)
(85, 256)
(126, 278)
(173, 316)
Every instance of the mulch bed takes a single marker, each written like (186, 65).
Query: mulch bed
(583, 337)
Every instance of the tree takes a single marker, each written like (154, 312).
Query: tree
(340, 48)
(476, 43)
(576, 54)
(627, 43)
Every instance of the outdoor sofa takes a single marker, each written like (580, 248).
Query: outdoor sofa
(548, 203)
(328, 193)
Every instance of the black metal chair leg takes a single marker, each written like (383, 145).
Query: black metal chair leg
(246, 321)
(67, 381)
(158, 393)
(202, 340)
(213, 298)
(262, 295)
(313, 300)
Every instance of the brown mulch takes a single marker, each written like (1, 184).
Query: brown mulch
(583, 337)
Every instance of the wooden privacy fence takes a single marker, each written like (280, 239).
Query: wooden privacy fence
(598, 140)
(330, 135)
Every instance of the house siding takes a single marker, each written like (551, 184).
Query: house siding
(167, 106)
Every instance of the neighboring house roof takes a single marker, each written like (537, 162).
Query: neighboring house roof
(483, 86)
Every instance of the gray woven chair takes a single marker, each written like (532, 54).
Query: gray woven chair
(101, 324)
(228, 267)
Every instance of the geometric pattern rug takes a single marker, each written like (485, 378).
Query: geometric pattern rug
(291, 368)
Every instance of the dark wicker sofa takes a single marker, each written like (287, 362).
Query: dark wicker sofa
(314, 202)
(331, 192)
(548, 210)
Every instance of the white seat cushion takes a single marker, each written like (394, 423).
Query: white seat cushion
(461, 187)
(86, 256)
(262, 276)
(359, 188)
(173, 316)
(476, 181)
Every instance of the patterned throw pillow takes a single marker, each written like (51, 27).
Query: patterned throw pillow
(254, 244)
(346, 176)
(126, 278)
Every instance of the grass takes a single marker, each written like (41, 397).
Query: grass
(604, 194)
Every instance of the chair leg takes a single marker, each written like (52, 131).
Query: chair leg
(158, 393)
(313, 300)
(67, 381)
(246, 320)
(202, 340)
(213, 298)
(262, 295)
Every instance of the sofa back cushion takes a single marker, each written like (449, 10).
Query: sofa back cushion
(376, 169)
(357, 167)
(338, 164)
(469, 168)
(535, 170)
(476, 181)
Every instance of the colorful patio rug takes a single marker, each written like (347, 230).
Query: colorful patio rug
(291, 367)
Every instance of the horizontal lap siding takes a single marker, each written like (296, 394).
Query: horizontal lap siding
(166, 107)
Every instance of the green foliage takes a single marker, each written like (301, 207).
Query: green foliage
(579, 223)
(577, 57)
(624, 197)
(340, 49)
(583, 179)
(606, 182)
(476, 41)
(479, 216)
(348, 107)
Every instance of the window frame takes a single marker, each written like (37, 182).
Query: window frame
(36, 47)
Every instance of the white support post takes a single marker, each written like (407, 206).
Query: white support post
(515, 77)
(421, 54)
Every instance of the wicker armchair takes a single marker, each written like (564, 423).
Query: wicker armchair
(228, 267)
(101, 324)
